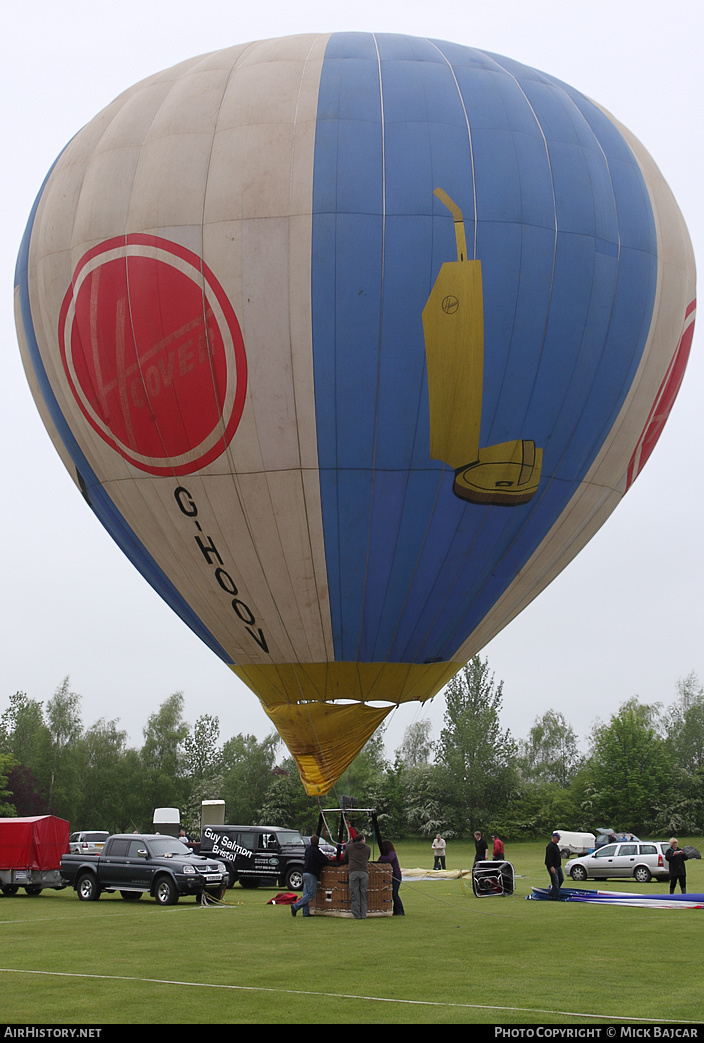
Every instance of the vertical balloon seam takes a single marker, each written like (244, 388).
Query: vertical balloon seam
(327, 768)
(476, 216)
(607, 426)
(307, 485)
(199, 254)
(470, 142)
(364, 626)
(344, 656)
(234, 479)
(165, 534)
(307, 528)
(586, 477)
(213, 379)
(431, 623)
(504, 68)
(444, 472)
(668, 389)
(98, 499)
(591, 131)
(667, 393)
(122, 235)
(214, 518)
(379, 75)
(302, 481)
(418, 550)
(626, 477)
(382, 127)
(553, 568)
(380, 88)
(324, 627)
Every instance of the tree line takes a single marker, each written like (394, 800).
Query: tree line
(643, 770)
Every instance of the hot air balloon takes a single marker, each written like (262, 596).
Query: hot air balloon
(352, 342)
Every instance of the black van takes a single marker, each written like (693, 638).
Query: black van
(257, 855)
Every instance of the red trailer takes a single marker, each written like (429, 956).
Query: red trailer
(30, 853)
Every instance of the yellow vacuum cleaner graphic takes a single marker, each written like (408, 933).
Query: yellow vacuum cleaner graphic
(506, 474)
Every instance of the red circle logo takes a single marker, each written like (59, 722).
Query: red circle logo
(154, 354)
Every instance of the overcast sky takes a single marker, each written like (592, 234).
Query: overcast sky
(625, 618)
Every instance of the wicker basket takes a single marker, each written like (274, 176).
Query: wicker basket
(332, 897)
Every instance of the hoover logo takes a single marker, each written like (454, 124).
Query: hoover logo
(153, 353)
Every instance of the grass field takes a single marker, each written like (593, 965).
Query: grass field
(452, 959)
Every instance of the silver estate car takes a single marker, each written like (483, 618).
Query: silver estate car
(643, 860)
(88, 842)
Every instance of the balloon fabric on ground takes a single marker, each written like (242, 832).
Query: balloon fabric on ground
(625, 898)
(352, 342)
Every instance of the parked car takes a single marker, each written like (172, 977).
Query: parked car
(257, 855)
(327, 849)
(604, 835)
(642, 860)
(88, 842)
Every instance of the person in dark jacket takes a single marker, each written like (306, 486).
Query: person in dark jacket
(313, 862)
(553, 862)
(676, 859)
(388, 854)
(357, 856)
(480, 848)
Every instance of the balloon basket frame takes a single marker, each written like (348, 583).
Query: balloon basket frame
(332, 897)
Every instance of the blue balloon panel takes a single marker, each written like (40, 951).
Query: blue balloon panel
(558, 213)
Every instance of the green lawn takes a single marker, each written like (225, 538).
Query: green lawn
(452, 959)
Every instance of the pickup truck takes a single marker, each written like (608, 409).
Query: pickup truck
(144, 863)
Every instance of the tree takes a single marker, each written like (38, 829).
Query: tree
(476, 755)
(364, 778)
(423, 801)
(550, 753)
(629, 767)
(161, 756)
(417, 746)
(418, 784)
(107, 787)
(24, 734)
(7, 807)
(201, 754)
(286, 801)
(247, 772)
(202, 768)
(63, 717)
(28, 797)
(684, 724)
(541, 807)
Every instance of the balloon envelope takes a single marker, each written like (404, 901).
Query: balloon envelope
(352, 342)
